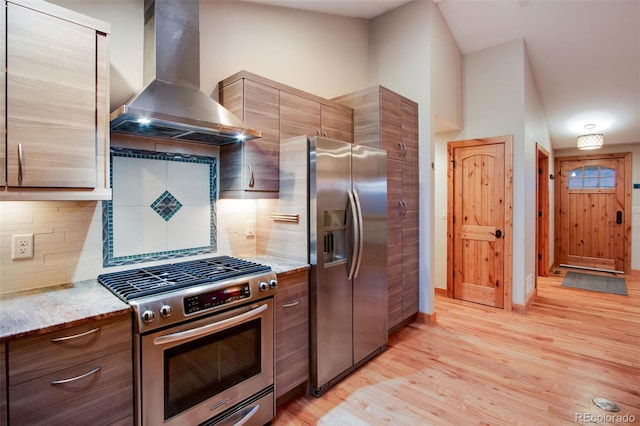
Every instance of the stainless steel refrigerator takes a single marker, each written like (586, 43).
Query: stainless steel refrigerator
(347, 202)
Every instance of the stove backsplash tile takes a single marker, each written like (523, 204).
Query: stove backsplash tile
(163, 207)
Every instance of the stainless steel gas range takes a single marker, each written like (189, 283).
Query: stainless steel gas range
(203, 341)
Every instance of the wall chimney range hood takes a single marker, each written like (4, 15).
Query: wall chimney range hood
(171, 105)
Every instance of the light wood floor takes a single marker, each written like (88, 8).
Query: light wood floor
(484, 366)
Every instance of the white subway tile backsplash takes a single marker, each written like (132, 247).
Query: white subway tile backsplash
(68, 235)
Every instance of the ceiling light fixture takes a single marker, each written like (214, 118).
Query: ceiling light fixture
(590, 140)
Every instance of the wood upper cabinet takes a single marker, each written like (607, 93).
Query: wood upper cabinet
(301, 115)
(292, 331)
(250, 169)
(84, 372)
(384, 119)
(56, 118)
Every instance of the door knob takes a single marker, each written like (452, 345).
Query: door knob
(497, 234)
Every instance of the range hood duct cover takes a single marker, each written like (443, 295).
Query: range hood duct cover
(171, 105)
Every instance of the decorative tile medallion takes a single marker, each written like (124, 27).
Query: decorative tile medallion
(138, 225)
(166, 205)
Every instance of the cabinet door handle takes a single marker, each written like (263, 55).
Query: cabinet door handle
(292, 304)
(75, 336)
(324, 134)
(73, 379)
(318, 133)
(404, 150)
(400, 208)
(252, 181)
(20, 164)
(400, 149)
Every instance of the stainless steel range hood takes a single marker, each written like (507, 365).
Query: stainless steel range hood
(171, 105)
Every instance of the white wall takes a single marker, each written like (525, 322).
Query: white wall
(326, 55)
(446, 107)
(494, 100)
(535, 131)
(400, 45)
(446, 75)
(323, 54)
(127, 25)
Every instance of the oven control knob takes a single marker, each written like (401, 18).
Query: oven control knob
(263, 286)
(273, 283)
(148, 316)
(166, 311)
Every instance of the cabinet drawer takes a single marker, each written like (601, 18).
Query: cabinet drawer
(292, 332)
(40, 355)
(103, 397)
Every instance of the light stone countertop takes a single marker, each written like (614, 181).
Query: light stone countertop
(40, 311)
(47, 309)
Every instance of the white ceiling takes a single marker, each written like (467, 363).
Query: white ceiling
(584, 54)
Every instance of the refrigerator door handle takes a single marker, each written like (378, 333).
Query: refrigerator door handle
(351, 265)
(360, 241)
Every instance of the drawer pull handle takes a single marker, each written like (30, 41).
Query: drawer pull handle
(73, 379)
(75, 336)
(292, 304)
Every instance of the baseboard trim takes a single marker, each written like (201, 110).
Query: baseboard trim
(440, 291)
(522, 309)
(429, 319)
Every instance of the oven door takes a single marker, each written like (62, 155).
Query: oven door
(196, 370)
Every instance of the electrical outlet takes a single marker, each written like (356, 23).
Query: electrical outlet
(250, 228)
(22, 246)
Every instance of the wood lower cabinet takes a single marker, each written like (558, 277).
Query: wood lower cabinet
(3, 385)
(82, 373)
(55, 103)
(387, 120)
(250, 169)
(292, 331)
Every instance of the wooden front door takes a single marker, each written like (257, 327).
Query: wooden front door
(591, 214)
(480, 224)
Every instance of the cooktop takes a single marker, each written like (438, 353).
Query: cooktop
(136, 283)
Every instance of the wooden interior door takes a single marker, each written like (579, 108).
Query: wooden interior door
(592, 213)
(479, 198)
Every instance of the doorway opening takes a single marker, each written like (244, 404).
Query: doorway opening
(542, 218)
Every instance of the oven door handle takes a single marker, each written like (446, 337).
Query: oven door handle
(241, 417)
(209, 328)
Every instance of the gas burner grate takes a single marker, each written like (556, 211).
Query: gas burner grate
(136, 283)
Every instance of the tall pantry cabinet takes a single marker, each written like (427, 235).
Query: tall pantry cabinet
(384, 119)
